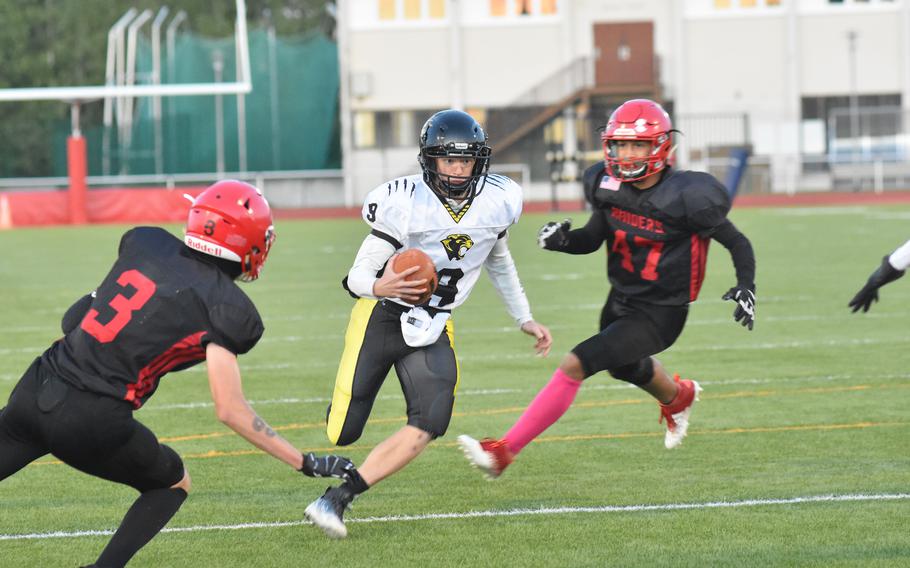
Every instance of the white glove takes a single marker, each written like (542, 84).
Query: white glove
(554, 236)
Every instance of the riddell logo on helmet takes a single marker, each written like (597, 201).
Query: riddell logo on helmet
(203, 246)
(210, 248)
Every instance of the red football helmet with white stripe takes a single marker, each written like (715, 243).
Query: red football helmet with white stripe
(638, 119)
(232, 220)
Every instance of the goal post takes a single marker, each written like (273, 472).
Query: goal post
(75, 96)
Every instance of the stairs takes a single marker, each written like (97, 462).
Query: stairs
(519, 122)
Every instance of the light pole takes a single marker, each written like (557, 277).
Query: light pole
(854, 107)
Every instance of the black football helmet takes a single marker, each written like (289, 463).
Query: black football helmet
(453, 134)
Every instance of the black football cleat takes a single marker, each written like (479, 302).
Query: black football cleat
(327, 512)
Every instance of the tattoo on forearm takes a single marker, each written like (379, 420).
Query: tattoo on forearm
(259, 425)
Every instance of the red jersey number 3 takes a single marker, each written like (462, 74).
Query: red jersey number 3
(123, 306)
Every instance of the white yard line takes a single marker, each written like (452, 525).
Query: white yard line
(501, 513)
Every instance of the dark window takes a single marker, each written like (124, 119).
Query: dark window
(878, 121)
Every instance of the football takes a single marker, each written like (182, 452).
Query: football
(416, 257)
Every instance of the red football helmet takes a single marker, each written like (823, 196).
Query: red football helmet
(232, 220)
(638, 119)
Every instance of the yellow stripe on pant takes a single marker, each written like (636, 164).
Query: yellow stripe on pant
(344, 379)
(450, 332)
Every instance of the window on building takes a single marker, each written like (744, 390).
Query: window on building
(732, 4)
(554, 132)
(437, 9)
(386, 9)
(523, 8)
(411, 9)
(389, 129)
(842, 129)
(405, 130)
(479, 114)
(365, 129)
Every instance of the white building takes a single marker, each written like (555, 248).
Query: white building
(812, 86)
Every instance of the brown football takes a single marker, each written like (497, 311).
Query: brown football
(416, 257)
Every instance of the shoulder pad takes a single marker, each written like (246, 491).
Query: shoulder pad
(387, 208)
(236, 328)
(502, 182)
(706, 200)
(591, 181)
(512, 193)
(75, 313)
(152, 237)
(129, 237)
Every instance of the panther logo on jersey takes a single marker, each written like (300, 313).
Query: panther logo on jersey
(457, 246)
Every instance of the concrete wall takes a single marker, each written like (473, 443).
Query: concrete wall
(824, 65)
(759, 61)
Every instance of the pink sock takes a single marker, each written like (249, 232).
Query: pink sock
(547, 407)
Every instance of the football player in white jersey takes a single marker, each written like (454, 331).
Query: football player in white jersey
(459, 214)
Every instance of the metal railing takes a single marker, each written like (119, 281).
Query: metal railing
(572, 78)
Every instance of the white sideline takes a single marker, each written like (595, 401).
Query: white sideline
(495, 513)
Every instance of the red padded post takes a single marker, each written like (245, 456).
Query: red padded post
(77, 171)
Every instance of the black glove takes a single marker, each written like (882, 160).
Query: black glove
(745, 304)
(554, 236)
(869, 293)
(326, 466)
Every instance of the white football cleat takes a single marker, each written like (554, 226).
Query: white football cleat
(677, 412)
(488, 455)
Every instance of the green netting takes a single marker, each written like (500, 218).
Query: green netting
(291, 114)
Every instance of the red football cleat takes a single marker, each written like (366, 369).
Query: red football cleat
(677, 412)
(488, 455)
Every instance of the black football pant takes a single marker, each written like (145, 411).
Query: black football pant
(93, 433)
(373, 344)
(630, 333)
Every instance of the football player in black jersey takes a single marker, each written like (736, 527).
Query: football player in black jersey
(657, 223)
(165, 305)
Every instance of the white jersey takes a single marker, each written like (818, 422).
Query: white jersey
(900, 259)
(409, 214)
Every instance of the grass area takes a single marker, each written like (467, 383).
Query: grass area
(812, 403)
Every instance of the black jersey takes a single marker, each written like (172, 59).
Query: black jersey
(657, 238)
(155, 312)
